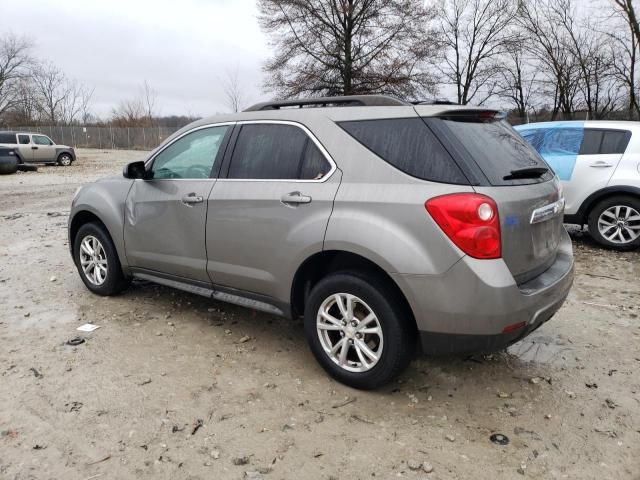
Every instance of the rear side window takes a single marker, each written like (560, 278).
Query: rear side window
(8, 138)
(24, 139)
(276, 152)
(605, 142)
(497, 149)
(614, 141)
(409, 145)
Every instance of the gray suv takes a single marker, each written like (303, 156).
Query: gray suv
(391, 228)
(37, 148)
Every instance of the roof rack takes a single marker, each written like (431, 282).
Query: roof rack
(346, 101)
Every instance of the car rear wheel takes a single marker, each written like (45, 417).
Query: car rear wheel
(64, 160)
(615, 222)
(358, 330)
(97, 261)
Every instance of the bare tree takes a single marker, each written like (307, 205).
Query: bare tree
(14, 64)
(516, 80)
(541, 21)
(345, 47)
(625, 50)
(149, 97)
(233, 91)
(52, 92)
(138, 111)
(474, 34)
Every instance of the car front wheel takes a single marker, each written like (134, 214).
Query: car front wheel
(97, 261)
(64, 160)
(358, 329)
(615, 222)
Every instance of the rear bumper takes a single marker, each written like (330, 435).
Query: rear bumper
(467, 308)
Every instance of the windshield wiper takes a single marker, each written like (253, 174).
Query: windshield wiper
(527, 172)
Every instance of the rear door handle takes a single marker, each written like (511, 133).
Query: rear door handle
(295, 198)
(601, 164)
(191, 198)
(34, 148)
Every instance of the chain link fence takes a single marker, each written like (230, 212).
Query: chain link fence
(123, 138)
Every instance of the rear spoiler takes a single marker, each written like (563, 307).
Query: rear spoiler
(460, 113)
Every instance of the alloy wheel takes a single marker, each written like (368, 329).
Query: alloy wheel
(349, 332)
(619, 224)
(93, 260)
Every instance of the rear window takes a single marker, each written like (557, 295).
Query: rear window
(8, 138)
(496, 148)
(409, 145)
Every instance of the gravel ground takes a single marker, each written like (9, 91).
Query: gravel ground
(176, 386)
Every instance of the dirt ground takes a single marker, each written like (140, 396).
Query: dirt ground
(168, 388)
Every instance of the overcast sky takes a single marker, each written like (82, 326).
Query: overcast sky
(182, 48)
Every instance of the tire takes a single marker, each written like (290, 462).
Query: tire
(624, 233)
(64, 160)
(27, 167)
(8, 166)
(395, 347)
(107, 282)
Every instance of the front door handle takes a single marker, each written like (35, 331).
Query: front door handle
(295, 198)
(191, 199)
(601, 164)
(34, 148)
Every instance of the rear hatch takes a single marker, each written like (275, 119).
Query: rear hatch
(505, 167)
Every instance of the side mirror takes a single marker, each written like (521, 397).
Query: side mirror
(135, 170)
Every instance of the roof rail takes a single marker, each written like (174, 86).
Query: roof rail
(346, 101)
(435, 102)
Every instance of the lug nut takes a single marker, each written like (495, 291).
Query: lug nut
(350, 342)
(353, 323)
(342, 334)
(358, 335)
(344, 323)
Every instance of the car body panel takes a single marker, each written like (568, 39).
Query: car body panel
(164, 234)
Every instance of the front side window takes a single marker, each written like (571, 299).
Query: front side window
(276, 152)
(190, 157)
(42, 140)
(24, 139)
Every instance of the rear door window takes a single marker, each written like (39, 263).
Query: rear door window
(24, 139)
(604, 142)
(615, 142)
(496, 147)
(591, 143)
(276, 152)
(409, 145)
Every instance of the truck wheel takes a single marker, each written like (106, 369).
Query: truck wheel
(8, 166)
(358, 330)
(64, 159)
(615, 222)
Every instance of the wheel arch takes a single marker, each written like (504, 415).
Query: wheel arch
(323, 263)
(80, 218)
(592, 200)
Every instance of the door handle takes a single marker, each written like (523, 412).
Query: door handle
(295, 198)
(601, 164)
(191, 199)
(34, 148)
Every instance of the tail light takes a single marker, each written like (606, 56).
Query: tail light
(470, 220)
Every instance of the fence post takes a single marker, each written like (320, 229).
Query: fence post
(99, 138)
(144, 139)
